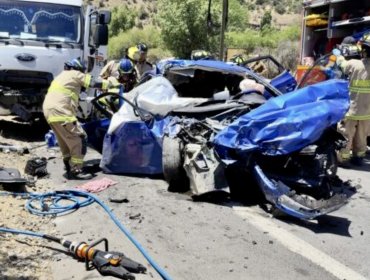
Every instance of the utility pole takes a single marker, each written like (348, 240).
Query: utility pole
(225, 7)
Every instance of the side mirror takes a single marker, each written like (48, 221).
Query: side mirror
(104, 17)
(100, 35)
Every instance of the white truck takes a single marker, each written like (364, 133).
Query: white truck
(36, 38)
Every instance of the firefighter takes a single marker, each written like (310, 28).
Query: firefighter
(60, 110)
(357, 122)
(201, 55)
(121, 71)
(138, 55)
(239, 59)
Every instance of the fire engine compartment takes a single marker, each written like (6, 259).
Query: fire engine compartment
(344, 18)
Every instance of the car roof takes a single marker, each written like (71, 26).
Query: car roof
(184, 66)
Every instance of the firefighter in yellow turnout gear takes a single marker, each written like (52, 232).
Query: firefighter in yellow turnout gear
(60, 110)
(120, 72)
(357, 122)
(138, 55)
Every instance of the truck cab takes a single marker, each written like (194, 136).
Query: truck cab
(36, 38)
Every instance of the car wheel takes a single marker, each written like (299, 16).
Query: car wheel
(332, 162)
(172, 161)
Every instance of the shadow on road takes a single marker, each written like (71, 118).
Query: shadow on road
(324, 224)
(21, 131)
(364, 167)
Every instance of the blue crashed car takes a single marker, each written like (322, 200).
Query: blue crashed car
(194, 124)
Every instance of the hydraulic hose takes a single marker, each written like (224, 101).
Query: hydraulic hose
(77, 200)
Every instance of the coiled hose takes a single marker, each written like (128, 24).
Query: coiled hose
(37, 204)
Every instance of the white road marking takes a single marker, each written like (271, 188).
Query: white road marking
(299, 246)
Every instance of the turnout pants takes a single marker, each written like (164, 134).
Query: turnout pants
(356, 132)
(72, 142)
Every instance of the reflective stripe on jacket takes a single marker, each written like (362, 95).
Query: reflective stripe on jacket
(359, 73)
(61, 101)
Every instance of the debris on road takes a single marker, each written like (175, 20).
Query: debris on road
(97, 185)
(118, 200)
(11, 177)
(36, 167)
(7, 148)
(135, 216)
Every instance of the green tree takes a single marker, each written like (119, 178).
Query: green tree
(184, 24)
(238, 16)
(122, 19)
(266, 20)
(280, 8)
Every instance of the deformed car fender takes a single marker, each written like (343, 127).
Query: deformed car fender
(286, 200)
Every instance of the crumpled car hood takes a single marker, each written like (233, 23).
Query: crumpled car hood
(287, 123)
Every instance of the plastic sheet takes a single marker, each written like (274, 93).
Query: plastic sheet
(134, 148)
(157, 96)
(287, 123)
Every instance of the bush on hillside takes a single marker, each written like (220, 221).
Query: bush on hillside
(122, 19)
(149, 35)
(267, 38)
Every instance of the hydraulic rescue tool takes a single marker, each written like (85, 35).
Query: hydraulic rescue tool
(108, 263)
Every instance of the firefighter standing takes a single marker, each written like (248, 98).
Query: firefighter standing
(138, 55)
(357, 122)
(60, 110)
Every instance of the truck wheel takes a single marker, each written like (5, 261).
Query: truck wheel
(172, 162)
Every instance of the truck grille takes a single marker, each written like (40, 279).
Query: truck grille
(21, 79)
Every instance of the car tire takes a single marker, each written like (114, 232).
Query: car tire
(332, 162)
(172, 162)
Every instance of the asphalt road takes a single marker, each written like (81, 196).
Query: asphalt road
(222, 240)
(213, 240)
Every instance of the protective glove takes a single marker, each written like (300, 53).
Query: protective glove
(113, 83)
(340, 57)
(336, 52)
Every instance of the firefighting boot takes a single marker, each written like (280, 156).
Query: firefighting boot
(357, 161)
(79, 174)
(67, 167)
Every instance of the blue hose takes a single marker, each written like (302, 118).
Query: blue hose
(77, 200)
(23, 232)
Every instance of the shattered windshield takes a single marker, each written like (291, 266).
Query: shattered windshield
(40, 21)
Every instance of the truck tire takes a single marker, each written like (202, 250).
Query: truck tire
(172, 162)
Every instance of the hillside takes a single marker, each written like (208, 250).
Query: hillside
(284, 12)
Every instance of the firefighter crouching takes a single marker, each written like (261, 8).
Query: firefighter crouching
(60, 110)
(122, 72)
(357, 122)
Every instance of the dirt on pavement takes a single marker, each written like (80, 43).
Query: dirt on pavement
(23, 257)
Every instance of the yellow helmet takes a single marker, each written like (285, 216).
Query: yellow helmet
(133, 53)
(365, 40)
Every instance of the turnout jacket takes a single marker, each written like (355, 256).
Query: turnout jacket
(359, 76)
(61, 101)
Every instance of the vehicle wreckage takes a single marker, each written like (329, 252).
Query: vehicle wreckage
(194, 124)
